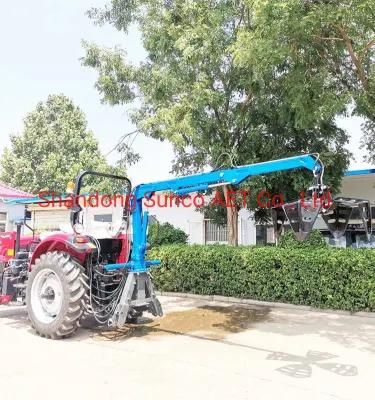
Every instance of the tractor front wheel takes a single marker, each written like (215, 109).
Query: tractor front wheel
(55, 295)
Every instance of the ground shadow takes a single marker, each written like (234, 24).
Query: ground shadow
(214, 323)
(16, 316)
(302, 366)
(346, 330)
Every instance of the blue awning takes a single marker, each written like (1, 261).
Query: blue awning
(360, 172)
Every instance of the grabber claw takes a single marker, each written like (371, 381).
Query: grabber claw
(302, 215)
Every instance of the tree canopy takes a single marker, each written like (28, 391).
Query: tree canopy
(54, 146)
(195, 90)
(321, 52)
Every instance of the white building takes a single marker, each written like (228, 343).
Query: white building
(10, 213)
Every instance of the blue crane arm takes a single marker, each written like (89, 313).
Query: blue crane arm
(203, 181)
(233, 176)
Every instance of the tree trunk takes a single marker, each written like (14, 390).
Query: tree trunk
(360, 68)
(232, 215)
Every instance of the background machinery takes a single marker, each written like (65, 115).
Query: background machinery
(71, 276)
(15, 253)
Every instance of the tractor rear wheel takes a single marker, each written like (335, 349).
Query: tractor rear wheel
(55, 295)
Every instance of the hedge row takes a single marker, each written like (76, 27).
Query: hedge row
(321, 277)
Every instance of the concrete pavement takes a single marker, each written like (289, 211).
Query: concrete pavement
(198, 350)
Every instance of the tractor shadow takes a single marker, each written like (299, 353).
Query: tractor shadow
(14, 316)
(348, 331)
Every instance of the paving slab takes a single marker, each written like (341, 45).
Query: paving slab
(200, 349)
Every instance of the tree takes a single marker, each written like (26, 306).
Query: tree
(321, 51)
(164, 234)
(54, 146)
(191, 92)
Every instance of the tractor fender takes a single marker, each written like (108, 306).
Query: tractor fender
(61, 242)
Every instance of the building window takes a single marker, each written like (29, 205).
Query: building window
(103, 218)
(261, 235)
(265, 235)
(215, 233)
(3, 221)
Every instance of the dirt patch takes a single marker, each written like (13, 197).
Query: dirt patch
(211, 322)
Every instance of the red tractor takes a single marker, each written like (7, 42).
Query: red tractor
(55, 279)
(68, 280)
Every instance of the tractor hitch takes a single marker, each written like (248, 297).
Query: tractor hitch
(138, 295)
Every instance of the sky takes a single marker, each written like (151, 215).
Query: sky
(40, 44)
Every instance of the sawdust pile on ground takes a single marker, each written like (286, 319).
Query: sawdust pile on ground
(211, 322)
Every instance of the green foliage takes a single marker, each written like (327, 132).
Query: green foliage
(314, 240)
(164, 234)
(215, 111)
(320, 52)
(321, 277)
(54, 146)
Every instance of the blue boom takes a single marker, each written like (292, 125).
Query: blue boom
(198, 182)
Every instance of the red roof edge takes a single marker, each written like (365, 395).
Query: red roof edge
(9, 192)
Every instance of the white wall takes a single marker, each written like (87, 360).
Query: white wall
(246, 228)
(192, 222)
(361, 186)
(14, 212)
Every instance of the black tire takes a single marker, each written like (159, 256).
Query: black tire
(73, 283)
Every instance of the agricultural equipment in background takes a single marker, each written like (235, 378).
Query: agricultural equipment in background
(13, 242)
(75, 275)
(336, 213)
(15, 252)
(342, 209)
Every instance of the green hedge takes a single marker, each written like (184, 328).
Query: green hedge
(322, 277)
(314, 240)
